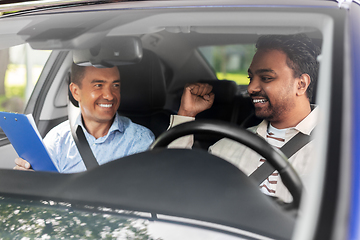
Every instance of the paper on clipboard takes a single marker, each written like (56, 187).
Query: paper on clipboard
(24, 136)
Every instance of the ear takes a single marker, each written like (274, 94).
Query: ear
(75, 91)
(302, 84)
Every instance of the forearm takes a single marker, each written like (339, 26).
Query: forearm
(183, 142)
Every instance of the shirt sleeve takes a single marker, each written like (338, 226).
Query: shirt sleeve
(142, 138)
(183, 142)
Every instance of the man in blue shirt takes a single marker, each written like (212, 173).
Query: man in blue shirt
(109, 135)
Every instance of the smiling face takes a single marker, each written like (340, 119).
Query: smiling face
(272, 87)
(98, 95)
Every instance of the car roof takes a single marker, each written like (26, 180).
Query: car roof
(23, 7)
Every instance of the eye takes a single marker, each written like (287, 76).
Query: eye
(266, 79)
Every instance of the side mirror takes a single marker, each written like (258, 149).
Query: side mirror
(112, 51)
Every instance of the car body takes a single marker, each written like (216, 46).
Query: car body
(180, 193)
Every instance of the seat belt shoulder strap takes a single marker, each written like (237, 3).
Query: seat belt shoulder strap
(84, 148)
(289, 149)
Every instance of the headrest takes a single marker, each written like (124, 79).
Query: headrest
(224, 90)
(142, 84)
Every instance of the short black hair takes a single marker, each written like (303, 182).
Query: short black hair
(301, 54)
(77, 74)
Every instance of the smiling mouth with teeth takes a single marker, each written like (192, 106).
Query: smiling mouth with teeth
(259, 101)
(105, 105)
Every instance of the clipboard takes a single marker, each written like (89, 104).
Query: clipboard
(24, 136)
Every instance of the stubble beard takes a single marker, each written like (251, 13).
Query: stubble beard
(273, 112)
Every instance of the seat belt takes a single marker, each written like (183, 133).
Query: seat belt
(289, 149)
(84, 148)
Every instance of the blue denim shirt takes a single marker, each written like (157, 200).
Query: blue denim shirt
(123, 138)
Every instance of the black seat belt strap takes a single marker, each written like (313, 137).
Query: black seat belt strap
(84, 148)
(262, 173)
(289, 149)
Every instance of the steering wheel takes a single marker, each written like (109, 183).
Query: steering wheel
(275, 157)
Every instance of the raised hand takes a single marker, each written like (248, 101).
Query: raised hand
(196, 98)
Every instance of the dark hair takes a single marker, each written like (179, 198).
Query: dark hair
(301, 54)
(77, 74)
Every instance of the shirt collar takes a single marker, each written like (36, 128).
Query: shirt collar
(117, 125)
(305, 126)
(308, 123)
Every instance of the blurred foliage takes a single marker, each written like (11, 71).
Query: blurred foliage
(230, 62)
(51, 220)
(16, 90)
(239, 78)
(14, 98)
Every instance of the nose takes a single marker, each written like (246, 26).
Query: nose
(108, 94)
(254, 86)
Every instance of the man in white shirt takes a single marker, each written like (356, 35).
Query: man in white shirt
(282, 75)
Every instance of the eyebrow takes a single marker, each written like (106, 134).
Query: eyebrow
(102, 81)
(265, 70)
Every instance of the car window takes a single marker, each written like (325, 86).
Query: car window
(20, 69)
(230, 62)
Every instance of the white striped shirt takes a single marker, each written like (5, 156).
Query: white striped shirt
(248, 160)
(276, 138)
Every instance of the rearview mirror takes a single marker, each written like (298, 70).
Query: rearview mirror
(112, 51)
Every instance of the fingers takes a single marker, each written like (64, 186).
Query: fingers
(22, 164)
(210, 98)
(199, 89)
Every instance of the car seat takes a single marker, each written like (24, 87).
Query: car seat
(143, 93)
